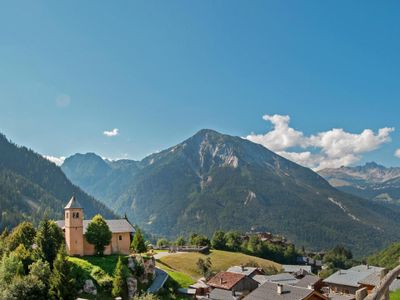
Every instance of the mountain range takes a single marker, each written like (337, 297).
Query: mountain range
(214, 181)
(31, 187)
(371, 181)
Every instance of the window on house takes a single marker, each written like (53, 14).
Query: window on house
(67, 215)
(120, 237)
(77, 215)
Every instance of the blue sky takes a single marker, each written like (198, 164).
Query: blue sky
(161, 70)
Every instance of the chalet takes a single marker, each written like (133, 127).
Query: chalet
(274, 291)
(74, 227)
(351, 280)
(234, 282)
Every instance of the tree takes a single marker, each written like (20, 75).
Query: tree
(23, 255)
(204, 267)
(27, 288)
(338, 258)
(41, 270)
(48, 240)
(180, 241)
(98, 234)
(218, 240)
(62, 283)
(162, 242)
(118, 281)
(10, 267)
(138, 244)
(233, 240)
(199, 240)
(24, 234)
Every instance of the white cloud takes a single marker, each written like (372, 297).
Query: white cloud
(397, 153)
(328, 149)
(63, 100)
(57, 160)
(111, 133)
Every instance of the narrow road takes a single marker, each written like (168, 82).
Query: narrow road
(158, 282)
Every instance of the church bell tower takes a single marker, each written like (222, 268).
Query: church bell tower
(73, 215)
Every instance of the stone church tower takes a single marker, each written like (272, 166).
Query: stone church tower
(74, 227)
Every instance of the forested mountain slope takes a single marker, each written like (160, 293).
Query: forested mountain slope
(31, 186)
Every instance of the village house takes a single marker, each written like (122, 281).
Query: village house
(231, 285)
(354, 279)
(274, 291)
(74, 228)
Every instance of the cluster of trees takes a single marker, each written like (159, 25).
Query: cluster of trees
(337, 258)
(252, 245)
(195, 240)
(33, 263)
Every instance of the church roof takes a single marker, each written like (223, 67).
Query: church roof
(73, 203)
(116, 226)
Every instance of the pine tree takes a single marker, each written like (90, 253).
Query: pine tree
(62, 284)
(138, 244)
(118, 282)
(48, 241)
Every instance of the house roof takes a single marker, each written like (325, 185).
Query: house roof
(308, 280)
(283, 278)
(352, 277)
(295, 268)
(116, 226)
(73, 203)
(247, 271)
(268, 291)
(373, 279)
(220, 294)
(225, 280)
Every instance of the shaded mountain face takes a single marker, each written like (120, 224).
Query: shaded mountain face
(213, 181)
(31, 186)
(104, 179)
(371, 181)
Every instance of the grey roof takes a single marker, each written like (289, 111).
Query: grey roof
(116, 226)
(73, 203)
(220, 294)
(282, 278)
(268, 291)
(352, 277)
(373, 279)
(247, 271)
(308, 280)
(295, 268)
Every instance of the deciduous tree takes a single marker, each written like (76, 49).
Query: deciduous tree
(98, 234)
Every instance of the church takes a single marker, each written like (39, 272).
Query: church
(74, 228)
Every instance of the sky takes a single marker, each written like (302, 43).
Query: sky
(316, 81)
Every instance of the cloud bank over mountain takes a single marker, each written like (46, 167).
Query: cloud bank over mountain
(327, 149)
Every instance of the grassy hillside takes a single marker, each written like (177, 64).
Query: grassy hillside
(221, 260)
(388, 258)
(98, 269)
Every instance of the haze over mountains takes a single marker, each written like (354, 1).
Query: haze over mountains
(215, 181)
(371, 181)
(31, 187)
